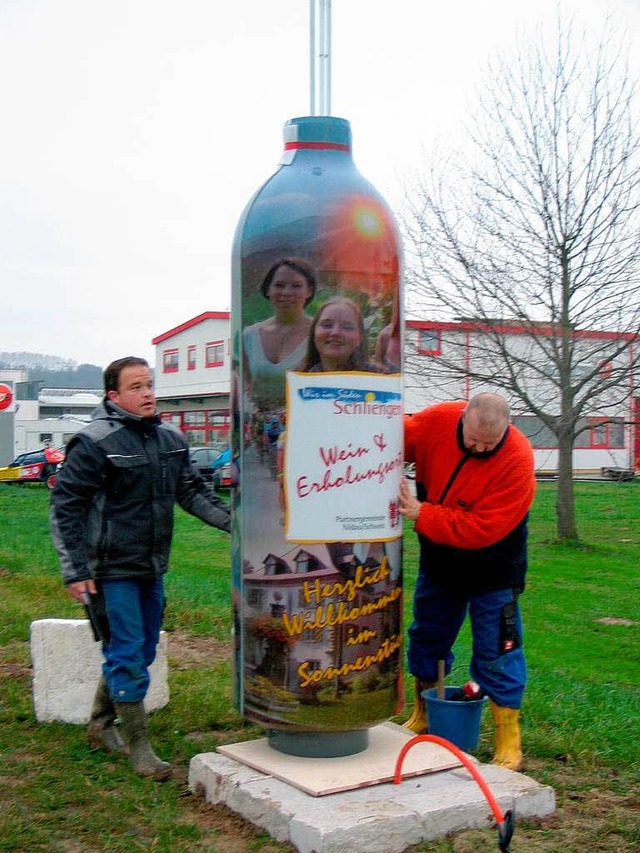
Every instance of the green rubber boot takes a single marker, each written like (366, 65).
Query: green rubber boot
(142, 758)
(102, 732)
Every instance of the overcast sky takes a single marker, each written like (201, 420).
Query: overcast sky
(134, 132)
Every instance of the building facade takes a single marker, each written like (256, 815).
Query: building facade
(42, 417)
(442, 358)
(193, 378)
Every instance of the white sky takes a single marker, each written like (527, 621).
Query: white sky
(134, 132)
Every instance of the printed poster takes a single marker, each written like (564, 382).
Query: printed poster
(343, 457)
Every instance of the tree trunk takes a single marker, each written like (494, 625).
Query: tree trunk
(565, 503)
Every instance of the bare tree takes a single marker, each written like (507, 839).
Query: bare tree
(536, 226)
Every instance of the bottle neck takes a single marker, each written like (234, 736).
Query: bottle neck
(317, 146)
(314, 135)
(314, 152)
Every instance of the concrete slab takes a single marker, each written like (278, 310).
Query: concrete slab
(379, 818)
(324, 776)
(66, 663)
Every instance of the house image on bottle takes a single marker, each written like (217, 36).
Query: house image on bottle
(300, 619)
(193, 377)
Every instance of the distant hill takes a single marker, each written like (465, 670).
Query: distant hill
(32, 360)
(53, 370)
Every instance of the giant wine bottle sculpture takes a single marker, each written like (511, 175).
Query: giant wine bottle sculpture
(317, 404)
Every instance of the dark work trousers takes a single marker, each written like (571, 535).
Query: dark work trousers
(497, 663)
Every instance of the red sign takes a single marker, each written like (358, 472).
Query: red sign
(6, 396)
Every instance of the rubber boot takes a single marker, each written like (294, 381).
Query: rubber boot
(418, 721)
(102, 732)
(142, 758)
(508, 746)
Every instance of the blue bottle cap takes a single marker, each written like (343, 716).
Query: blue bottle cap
(325, 131)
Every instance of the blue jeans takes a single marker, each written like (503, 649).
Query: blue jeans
(134, 609)
(438, 615)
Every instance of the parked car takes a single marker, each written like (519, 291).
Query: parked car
(202, 458)
(35, 466)
(221, 470)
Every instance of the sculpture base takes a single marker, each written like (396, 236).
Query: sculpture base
(320, 744)
(362, 809)
(322, 776)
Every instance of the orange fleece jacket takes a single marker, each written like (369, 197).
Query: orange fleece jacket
(489, 496)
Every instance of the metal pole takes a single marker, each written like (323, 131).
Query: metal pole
(320, 57)
(321, 46)
(312, 56)
(328, 60)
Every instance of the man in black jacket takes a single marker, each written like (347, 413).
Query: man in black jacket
(111, 523)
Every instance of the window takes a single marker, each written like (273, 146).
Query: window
(214, 354)
(255, 597)
(191, 358)
(429, 342)
(202, 427)
(593, 433)
(606, 433)
(616, 432)
(195, 418)
(170, 361)
(538, 434)
(219, 418)
(303, 564)
(172, 418)
(605, 368)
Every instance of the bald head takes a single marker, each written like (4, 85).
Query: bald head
(484, 422)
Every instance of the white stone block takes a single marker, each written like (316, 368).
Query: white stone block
(67, 663)
(382, 818)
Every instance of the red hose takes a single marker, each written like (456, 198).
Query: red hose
(495, 808)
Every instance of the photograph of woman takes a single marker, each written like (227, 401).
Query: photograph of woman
(338, 339)
(277, 344)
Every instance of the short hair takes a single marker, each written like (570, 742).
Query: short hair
(492, 411)
(112, 371)
(359, 359)
(298, 265)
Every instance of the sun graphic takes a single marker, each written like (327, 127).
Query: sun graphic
(360, 242)
(370, 397)
(368, 222)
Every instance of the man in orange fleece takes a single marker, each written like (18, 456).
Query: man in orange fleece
(474, 484)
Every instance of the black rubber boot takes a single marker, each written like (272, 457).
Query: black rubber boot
(142, 758)
(102, 731)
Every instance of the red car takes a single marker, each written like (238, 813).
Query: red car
(36, 466)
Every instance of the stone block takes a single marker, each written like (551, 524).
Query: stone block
(382, 818)
(67, 662)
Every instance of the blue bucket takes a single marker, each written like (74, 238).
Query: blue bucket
(458, 722)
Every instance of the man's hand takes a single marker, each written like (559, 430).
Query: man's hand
(409, 506)
(80, 588)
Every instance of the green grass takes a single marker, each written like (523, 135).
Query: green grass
(580, 721)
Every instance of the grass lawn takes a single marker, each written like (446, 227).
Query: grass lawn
(580, 721)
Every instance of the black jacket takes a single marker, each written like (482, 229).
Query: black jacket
(112, 507)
